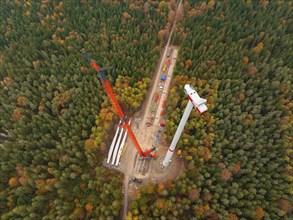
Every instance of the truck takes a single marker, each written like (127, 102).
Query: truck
(164, 67)
(169, 52)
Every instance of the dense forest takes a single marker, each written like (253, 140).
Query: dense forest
(238, 55)
(54, 112)
(55, 116)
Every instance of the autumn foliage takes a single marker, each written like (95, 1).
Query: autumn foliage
(56, 120)
(238, 154)
(12, 182)
(89, 207)
(259, 213)
(89, 144)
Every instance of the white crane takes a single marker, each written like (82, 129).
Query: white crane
(194, 101)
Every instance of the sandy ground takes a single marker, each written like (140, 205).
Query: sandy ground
(131, 164)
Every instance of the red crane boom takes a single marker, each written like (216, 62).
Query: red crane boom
(109, 91)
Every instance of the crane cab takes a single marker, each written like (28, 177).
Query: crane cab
(198, 103)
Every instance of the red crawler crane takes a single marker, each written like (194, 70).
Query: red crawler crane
(108, 89)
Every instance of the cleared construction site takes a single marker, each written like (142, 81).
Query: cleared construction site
(148, 127)
(153, 160)
(156, 161)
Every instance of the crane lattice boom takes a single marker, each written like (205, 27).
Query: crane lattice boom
(109, 91)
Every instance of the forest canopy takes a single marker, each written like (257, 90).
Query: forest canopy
(238, 155)
(52, 138)
(55, 116)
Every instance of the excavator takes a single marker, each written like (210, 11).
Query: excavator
(109, 91)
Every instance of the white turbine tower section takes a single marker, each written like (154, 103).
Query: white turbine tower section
(117, 145)
(113, 143)
(121, 146)
(194, 101)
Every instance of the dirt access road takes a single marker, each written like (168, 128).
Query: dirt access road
(143, 135)
(146, 136)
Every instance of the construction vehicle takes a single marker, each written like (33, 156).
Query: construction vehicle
(167, 63)
(164, 68)
(109, 91)
(136, 180)
(169, 52)
(156, 97)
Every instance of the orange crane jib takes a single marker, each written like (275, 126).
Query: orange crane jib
(133, 138)
(113, 99)
(109, 91)
(95, 65)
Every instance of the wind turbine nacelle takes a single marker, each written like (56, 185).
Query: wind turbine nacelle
(198, 103)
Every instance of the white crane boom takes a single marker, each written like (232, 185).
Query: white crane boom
(194, 101)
